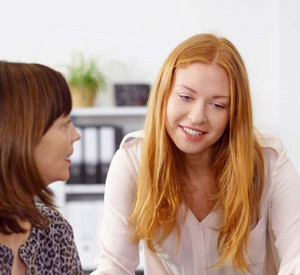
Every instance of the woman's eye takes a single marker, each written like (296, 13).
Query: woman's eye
(185, 97)
(218, 106)
(68, 124)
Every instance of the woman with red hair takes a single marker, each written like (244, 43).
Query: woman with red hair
(199, 188)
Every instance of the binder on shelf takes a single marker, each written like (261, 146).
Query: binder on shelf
(76, 169)
(90, 155)
(108, 142)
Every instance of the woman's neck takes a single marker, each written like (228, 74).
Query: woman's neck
(198, 165)
(200, 181)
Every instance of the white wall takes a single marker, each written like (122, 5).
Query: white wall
(289, 75)
(132, 38)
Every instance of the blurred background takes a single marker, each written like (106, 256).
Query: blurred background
(130, 40)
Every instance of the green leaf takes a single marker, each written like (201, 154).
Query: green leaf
(85, 73)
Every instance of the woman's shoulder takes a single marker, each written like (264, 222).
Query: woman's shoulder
(48, 211)
(128, 155)
(274, 151)
(130, 149)
(271, 142)
(56, 219)
(132, 139)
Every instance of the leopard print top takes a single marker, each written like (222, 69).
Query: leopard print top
(46, 252)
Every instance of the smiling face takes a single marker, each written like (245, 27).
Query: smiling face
(52, 152)
(198, 108)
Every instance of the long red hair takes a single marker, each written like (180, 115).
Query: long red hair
(238, 164)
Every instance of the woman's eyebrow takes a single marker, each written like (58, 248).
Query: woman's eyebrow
(193, 91)
(221, 96)
(186, 87)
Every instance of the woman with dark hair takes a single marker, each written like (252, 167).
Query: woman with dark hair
(35, 144)
(199, 188)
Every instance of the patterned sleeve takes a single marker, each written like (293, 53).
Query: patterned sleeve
(70, 261)
(60, 235)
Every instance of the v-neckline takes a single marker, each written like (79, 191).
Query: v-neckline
(210, 220)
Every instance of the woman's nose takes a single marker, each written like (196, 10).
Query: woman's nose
(76, 135)
(197, 113)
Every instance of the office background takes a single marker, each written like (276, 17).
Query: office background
(132, 38)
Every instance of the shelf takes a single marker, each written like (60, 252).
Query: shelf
(83, 203)
(110, 111)
(84, 188)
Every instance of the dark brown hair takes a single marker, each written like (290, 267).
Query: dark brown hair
(32, 97)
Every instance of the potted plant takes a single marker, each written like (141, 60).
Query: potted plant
(85, 80)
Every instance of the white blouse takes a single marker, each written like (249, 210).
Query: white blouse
(274, 244)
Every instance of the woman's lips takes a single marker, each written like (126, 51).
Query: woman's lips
(193, 133)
